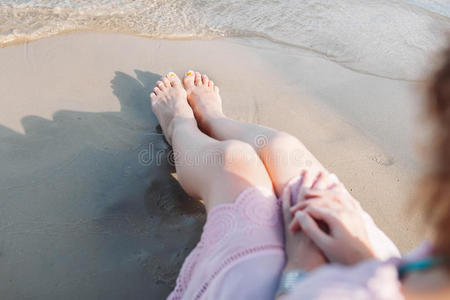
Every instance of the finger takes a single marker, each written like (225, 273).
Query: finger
(294, 226)
(317, 202)
(323, 213)
(333, 196)
(341, 195)
(330, 194)
(311, 193)
(322, 202)
(306, 180)
(298, 206)
(319, 181)
(304, 184)
(336, 186)
(295, 188)
(311, 229)
(333, 181)
(286, 204)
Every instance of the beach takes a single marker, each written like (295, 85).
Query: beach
(91, 207)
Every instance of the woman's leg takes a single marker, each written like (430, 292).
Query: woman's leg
(218, 171)
(283, 155)
(213, 171)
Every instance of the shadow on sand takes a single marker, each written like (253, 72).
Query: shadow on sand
(88, 206)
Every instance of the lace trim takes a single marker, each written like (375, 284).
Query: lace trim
(241, 197)
(230, 260)
(221, 223)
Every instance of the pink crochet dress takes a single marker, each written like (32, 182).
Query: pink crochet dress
(240, 254)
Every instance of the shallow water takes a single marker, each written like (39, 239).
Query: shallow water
(386, 38)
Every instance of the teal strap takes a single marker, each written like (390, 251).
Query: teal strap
(419, 265)
(288, 280)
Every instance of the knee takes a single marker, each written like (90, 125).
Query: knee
(236, 167)
(237, 160)
(280, 146)
(237, 155)
(240, 167)
(282, 140)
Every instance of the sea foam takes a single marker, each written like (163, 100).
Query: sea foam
(393, 39)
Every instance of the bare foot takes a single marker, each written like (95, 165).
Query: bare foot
(169, 103)
(203, 97)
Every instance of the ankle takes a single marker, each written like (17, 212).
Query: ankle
(209, 124)
(182, 121)
(178, 123)
(212, 119)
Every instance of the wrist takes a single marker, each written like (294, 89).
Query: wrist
(361, 254)
(367, 253)
(308, 261)
(307, 267)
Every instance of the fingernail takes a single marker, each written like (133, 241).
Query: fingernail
(190, 73)
(171, 74)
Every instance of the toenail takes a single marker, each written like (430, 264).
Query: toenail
(190, 73)
(171, 74)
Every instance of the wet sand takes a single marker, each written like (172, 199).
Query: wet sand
(89, 204)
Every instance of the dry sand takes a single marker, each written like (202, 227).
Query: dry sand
(85, 212)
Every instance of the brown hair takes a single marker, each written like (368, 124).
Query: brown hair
(435, 191)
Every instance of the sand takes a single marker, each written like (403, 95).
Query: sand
(89, 204)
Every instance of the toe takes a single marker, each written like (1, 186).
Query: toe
(205, 80)
(211, 83)
(188, 80)
(166, 82)
(156, 90)
(216, 89)
(160, 85)
(173, 79)
(198, 78)
(153, 98)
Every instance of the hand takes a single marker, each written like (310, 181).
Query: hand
(301, 252)
(344, 238)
